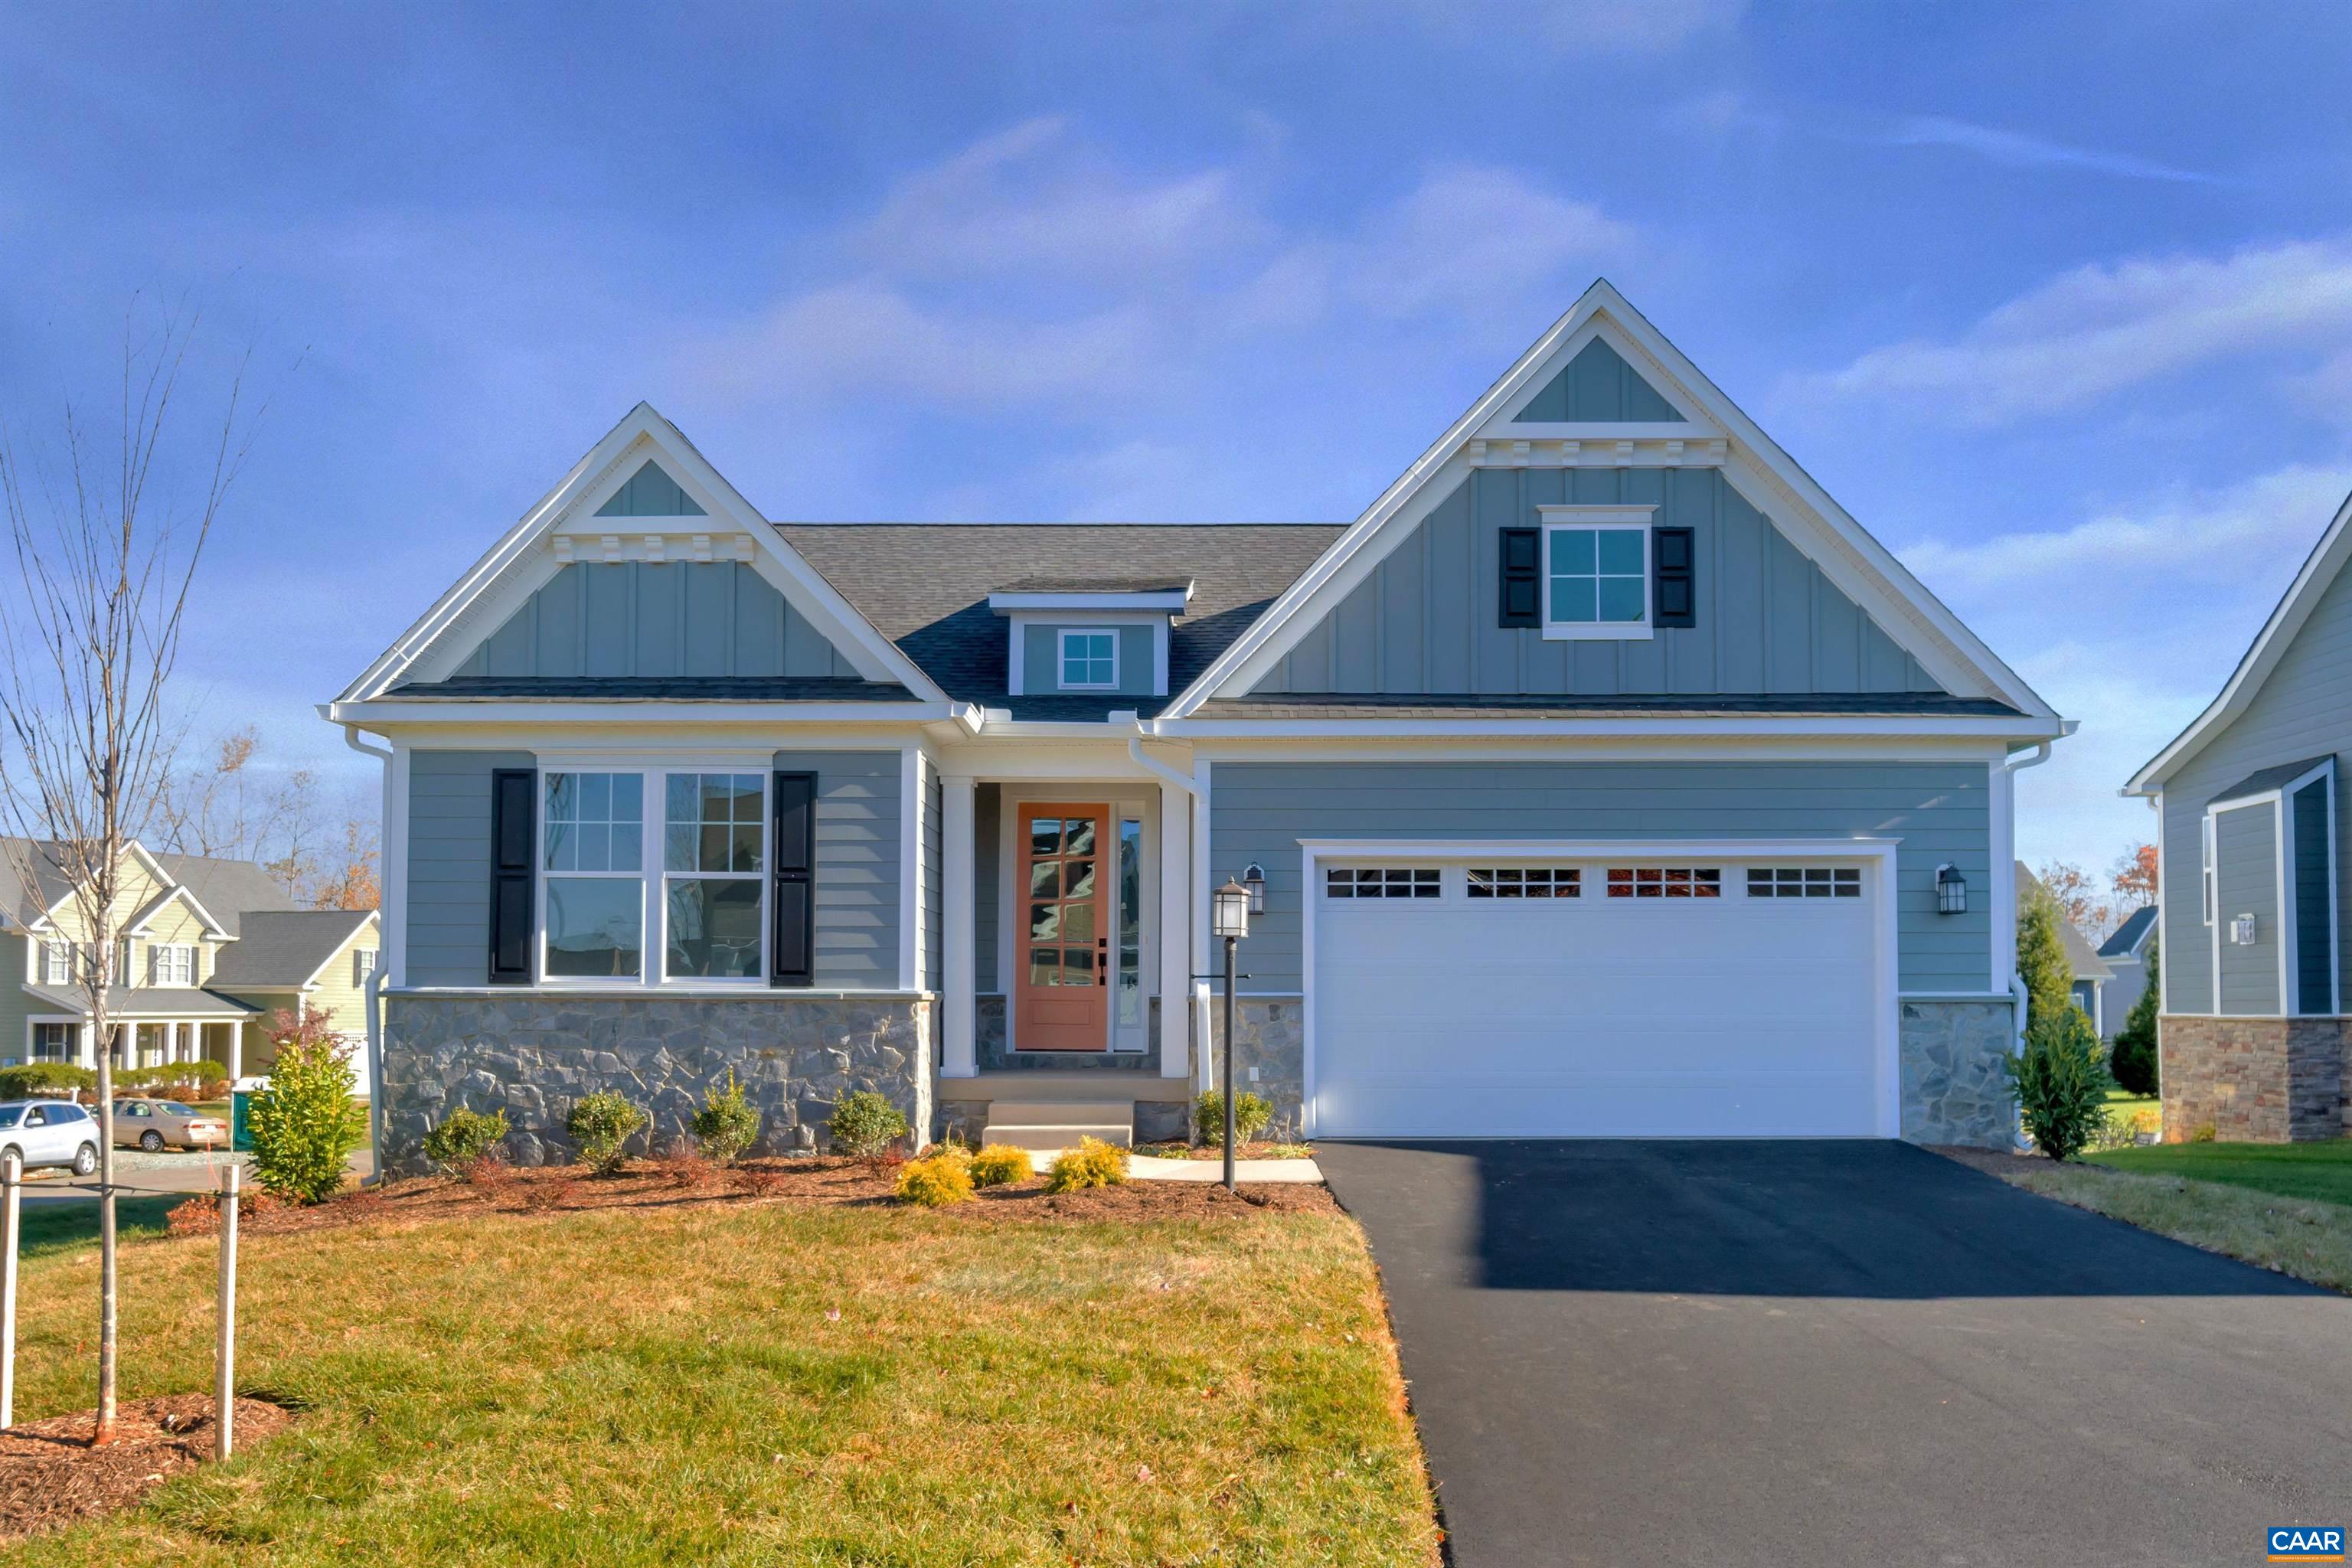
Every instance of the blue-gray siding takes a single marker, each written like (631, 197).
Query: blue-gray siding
(2245, 865)
(2122, 992)
(1042, 664)
(2303, 709)
(932, 870)
(988, 805)
(2315, 987)
(1597, 385)
(449, 864)
(656, 618)
(650, 492)
(1260, 811)
(1768, 620)
(857, 865)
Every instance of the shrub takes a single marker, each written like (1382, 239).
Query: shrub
(32, 1081)
(2203, 1133)
(936, 1181)
(304, 1125)
(2061, 1083)
(1093, 1163)
(2042, 961)
(1000, 1164)
(553, 1191)
(488, 1174)
(756, 1181)
(464, 1137)
(601, 1125)
(2133, 1062)
(688, 1167)
(865, 1124)
(1251, 1115)
(727, 1124)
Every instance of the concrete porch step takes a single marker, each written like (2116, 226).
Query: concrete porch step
(1059, 1124)
(1108, 1086)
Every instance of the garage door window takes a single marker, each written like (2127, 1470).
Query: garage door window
(1382, 882)
(1804, 882)
(1526, 882)
(1665, 882)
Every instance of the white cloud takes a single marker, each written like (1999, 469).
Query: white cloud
(2020, 150)
(2089, 333)
(1467, 236)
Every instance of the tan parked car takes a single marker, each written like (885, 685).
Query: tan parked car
(155, 1125)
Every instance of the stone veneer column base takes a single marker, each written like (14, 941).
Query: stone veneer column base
(1955, 1089)
(1273, 1060)
(532, 1055)
(2255, 1080)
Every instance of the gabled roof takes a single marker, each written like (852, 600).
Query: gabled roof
(2270, 645)
(285, 949)
(927, 586)
(225, 890)
(1861, 568)
(32, 883)
(2081, 956)
(524, 559)
(2132, 935)
(2263, 781)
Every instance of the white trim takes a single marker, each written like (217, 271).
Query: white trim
(394, 932)
(2265, 800)
(1638, 519)
(1016, 660)
(1170, 602)
(1062, 636)
(2002, 874)
(1879, 853)
(2312, 580)
(910, 865)
(958, 895)
(80, 1021)
(1175, 853)
(1695, 726)
(1853, 561)
(378, 715)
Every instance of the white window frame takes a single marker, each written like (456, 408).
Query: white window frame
(363, 963)
(1062, 681)
(159, 954)
(1638, 519)
(55, 956)
(653, 875)
(2208, 887)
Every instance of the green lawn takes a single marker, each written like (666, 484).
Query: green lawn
(736, 1385)
(2320, 1173)
(51, 1227)
(2310, 1240)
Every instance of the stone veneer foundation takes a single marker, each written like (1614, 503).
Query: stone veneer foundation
(1955, 1089)
(2255, 1080)
(532, 1056)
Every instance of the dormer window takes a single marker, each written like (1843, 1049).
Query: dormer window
(1089, 659)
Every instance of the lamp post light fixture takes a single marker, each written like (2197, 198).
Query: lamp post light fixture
(1952, 890)
(1229, 914)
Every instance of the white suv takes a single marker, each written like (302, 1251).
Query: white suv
(50, 1133)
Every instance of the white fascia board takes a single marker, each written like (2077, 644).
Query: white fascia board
(495, 583)
(1166, 604)
(1856, 564)
(648, 710)
(175, 893)
(1695, 727)
(2270, 645)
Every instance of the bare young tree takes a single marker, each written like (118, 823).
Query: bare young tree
(230, 804)
(104, 565)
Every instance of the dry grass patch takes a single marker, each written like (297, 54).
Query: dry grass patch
(1136, 1376)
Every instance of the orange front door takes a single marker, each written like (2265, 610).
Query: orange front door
(1063, 990)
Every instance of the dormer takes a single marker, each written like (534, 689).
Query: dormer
(1088, 636)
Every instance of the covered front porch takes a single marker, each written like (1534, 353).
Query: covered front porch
(149, 1031)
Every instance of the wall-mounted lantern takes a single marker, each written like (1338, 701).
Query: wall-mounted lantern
(1254, 880)
(1952, 890)
(2242, 931)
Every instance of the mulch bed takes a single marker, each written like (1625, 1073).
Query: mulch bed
(1262, 1150)
(50, 1475)
(819, 1183)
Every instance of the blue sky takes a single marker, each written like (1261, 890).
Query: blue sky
(2056, 299)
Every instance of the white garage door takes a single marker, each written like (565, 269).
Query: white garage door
(1573, 998)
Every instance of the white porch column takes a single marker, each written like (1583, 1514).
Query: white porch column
(86, 1053)
(959, 1009)
(1175, 932)
(235, 1050)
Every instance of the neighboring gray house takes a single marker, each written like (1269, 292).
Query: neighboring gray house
(2090, 971)
(2126, 955)
(2253, 1036)
(1603, 777)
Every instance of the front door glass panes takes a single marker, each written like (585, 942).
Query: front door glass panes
(715, 863)
(1065, 947)
(1130, 922)
(1598, 576)
(592, 854)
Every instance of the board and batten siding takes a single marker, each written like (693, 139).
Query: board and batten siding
(2314, 973)
(1041, 661)
(1768, 620)
(2303, 709)
(654, 619)
(857, 855)
(1939, 811)
(2245, 861)
(1596, 386)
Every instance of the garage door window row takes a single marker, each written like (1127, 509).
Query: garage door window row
(1804, 882)
(1665, 882)
(1383, 882)
(1526, 882)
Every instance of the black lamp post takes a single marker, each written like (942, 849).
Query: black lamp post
(1229, 914)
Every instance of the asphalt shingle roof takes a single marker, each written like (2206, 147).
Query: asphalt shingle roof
(653, 689)
(2128, 935)
(283, 948)
(229, 890)
(2268, 779)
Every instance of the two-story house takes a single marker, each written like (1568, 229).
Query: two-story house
(1604, 776)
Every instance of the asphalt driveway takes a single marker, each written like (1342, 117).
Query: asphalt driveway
(1836, 1352)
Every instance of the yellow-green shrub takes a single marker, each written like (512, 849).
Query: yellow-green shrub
(999, 1164)
(1093, 1163)
(935, 1182)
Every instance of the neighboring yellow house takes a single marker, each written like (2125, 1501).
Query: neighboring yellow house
(189, 987)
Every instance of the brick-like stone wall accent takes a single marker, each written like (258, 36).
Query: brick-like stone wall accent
(2255, 1080)
(1954, 1087)
(1272, 1062)
(533, 1056)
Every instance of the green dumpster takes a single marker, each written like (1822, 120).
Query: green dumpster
(240, 1137)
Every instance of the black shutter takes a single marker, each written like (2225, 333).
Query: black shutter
(794, 894)
(1673, 569)
(512, 794)
(1519, 595)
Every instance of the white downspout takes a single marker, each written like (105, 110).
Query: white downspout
(374, 1008)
